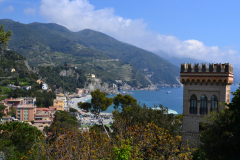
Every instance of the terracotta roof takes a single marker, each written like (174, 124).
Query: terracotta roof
(25, 106)
(42, 121)
(52, 107)
(42, 109)
(41, 113)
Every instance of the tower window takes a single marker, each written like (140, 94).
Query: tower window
(203, 105)
(193, 104)
(214, 104)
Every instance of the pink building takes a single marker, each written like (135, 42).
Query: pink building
(25, 112)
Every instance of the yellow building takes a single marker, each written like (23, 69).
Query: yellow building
(59, 103)
(13, 70)
(60, 95)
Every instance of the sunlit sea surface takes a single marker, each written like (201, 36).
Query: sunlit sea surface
(174, 100)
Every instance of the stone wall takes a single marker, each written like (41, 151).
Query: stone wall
(198, 81)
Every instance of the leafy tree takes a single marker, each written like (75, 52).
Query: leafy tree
(17, 138)
(124, 101)
(4, 37)
(98, 128)
(2, 107)
(1, 114)
(99, 101)
(85, 106)
(140, 114)
(62, 119)
(12, 111)
(40, 85)
(220, 139)
(73, 110)
(179, 117)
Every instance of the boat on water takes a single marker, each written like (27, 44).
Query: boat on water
(168, 92)
(124, 92)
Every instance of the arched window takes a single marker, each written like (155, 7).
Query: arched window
(193, 104)
(203, 105)
(214, 104)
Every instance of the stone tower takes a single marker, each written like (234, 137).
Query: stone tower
(203, 88)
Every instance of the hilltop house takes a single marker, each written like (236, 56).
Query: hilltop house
(44, 86)
(26, 88)
(93, 76)
(13, 70)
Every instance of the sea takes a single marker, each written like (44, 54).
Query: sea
(173, 101)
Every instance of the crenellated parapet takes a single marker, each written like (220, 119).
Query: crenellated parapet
(219, 73)
(219, 67)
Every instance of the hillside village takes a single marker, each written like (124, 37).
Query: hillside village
(46, 113)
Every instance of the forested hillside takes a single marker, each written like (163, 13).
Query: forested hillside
(13, 70)
(75, 78)
(52, 44)
(12, 66)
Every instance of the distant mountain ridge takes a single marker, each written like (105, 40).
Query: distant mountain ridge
(52, 44)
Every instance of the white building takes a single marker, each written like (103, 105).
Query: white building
(93, 76)
(44, 86)
(26, 88)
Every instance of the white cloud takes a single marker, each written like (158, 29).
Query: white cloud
(77, 15)
(29, 11)
(9, 9)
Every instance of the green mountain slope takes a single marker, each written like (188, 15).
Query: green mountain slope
(159, 69)
(52, 44)
(14, 70)
(13, 65)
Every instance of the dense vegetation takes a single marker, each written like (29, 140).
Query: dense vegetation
(129, 110)
(20, 77)
(65, 141)
(51, 44)
(75, 79)
(13, 60)
(18, 138)
(138, 132)
(62, 119)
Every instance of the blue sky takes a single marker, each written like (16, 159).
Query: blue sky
(187, 28)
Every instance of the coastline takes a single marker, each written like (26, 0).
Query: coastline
(77, 100)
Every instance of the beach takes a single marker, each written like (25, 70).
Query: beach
(73, 102)
(90, 119)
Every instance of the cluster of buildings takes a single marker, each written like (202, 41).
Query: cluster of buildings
(27, 111)
(81, 92)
